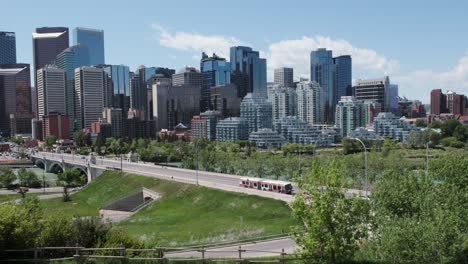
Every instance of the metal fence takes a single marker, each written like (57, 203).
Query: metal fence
(151, 255)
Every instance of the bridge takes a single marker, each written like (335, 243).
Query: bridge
(93, 166)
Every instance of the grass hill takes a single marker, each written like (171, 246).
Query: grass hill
(186, 214)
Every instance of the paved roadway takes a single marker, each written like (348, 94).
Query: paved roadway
(221, 181)
(267, 248)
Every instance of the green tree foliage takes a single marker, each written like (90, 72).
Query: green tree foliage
(19, 224)
(388, 145)
(461, 133)
(7, 177)
(421, 218)
(334, 224)
(448, 127)
(24, 226)
(69, 178)
(82, 139)
(420, 122)
(50, 141)
(452, 142)
(28, 178)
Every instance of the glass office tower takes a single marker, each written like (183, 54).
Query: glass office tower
(322, 72)
(7, 48)
(120, 75)
(94, 39)
(343, 76)
(68, 60)
(249, 71)
(216, 71)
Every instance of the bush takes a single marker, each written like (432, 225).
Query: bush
(452, 142)
(28, 178)
(7, 177)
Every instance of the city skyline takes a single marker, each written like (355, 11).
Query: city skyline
(398, 48)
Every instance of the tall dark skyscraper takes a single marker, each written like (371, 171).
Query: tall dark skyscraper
(94, 40)
(322, 71)
(248, 71)
(48, 42)
(120, 75)
(15, 95)
(343, 76)
(216, 71)
(7, 48)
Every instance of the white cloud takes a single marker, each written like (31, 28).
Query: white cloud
(195, 42)
(296, 53)
(418, 84)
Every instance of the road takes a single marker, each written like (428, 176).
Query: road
(268, 248)
(227, 182)
(34, 190)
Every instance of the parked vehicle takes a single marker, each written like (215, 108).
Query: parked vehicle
(266, 185)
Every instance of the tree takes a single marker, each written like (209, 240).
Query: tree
(388, 145)
(461, 133)
(68, 179)
(420, 122)
(415, 139)
(28, 178)
(421, 218)
(50, 141)
(448, 127)
(82, 139)
(452, 142)
(7, 177)
(350, 146)
(99, 143)
(334, 224)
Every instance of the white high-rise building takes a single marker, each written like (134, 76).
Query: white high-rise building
(284, 77)
(51, 91)
(89, 95)
(310, 102)
(350, 114)
(283, 101)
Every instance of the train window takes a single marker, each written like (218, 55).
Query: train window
(274, 187)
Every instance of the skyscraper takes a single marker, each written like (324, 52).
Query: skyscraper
(343, 76)
(48, 42)
(68, 60)
(188, 76)
(438, 102)
(120, 75)
(7, 47)
(322, 71)
(248, 71)
(89, 101)
(94, 40)
(144, 91)
(15, 94)
(378, 90)
(216, 72)
(350, 114)
(51, 91)
(284, 77)
(310, 103)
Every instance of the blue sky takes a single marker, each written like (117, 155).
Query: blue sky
(421, 45)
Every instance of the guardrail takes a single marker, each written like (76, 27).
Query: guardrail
(157, 254)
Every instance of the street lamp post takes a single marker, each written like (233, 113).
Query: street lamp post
(121, 162)
(196, 149)
(365, 160)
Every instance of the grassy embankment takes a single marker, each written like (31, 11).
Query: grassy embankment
(186, 214)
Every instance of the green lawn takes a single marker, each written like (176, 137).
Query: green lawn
(186, 214)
